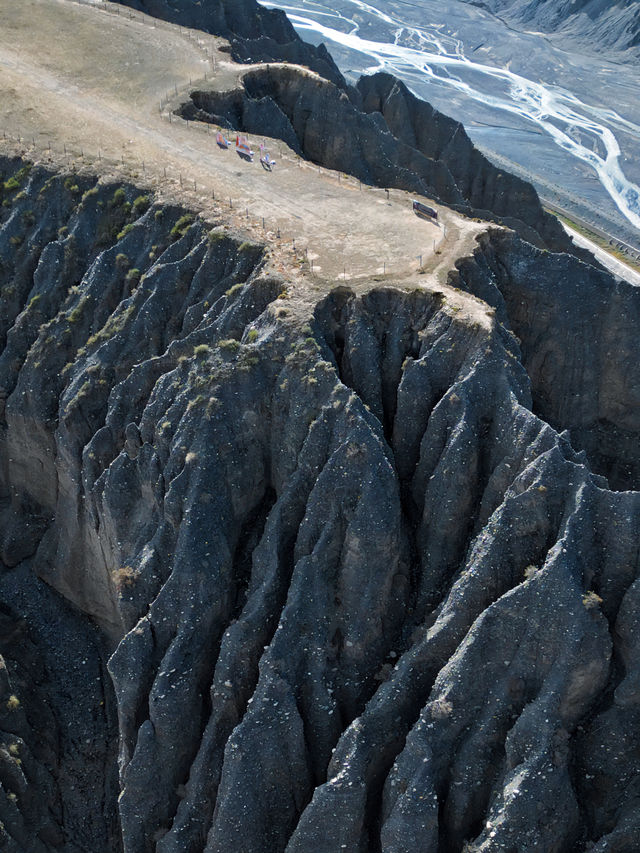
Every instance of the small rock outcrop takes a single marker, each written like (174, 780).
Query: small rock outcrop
(308, 571)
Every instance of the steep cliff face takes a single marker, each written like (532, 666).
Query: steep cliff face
(576, 331)
(384, 136)
(610, 26)
(303, 526)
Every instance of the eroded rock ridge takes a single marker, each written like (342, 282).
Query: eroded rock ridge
(356, 586)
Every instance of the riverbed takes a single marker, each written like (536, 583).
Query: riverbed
(566, 120)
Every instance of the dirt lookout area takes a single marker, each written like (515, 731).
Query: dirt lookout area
(94, 86)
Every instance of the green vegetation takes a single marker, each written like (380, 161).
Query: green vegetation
(140, 205)
(133, 275)
(124, 231)
(252, 335)
(77, 312)
(201, 350)
(122, 261)
(229, 345)
(124, 577)
(13, 703)
(34, 301)
(182, 226)
(195, 402)
(235, 289)
(591, 600)
(114, 324)
(250, 360)
(115, 223)
(89, 193)
(118, 198)
(15, 181)
(71, 185)
(216, 237)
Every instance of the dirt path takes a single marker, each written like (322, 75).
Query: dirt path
(76, 78)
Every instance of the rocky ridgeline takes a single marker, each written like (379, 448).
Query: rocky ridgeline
(354, 594)
(383, 135)
(610, 26)
(255, 34)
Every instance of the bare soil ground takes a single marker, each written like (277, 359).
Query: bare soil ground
(93, 86)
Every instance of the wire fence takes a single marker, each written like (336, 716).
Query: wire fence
(128, 167)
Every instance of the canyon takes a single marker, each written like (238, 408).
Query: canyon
(296, 557)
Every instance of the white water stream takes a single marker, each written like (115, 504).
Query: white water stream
(575, 126)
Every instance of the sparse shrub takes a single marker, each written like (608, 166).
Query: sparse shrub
(235, 289)
(15, 241)
(62, 232)
(89, 193)
(591, 600)
(71, 185)
(216, 237)
(252, 335)
(122, 261)
(77, 312)
(13, 703)
(34, 301)
(133, 274)
(229, 345)
(195, 402)
(182, 226)
(441, 708)
(530, 571)
(250, 360)
(124, 578)
(15, 181)
(118, 198)
(140, 205)
(125, 231)
(201, 350)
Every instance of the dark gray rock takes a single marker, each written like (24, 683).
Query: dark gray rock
(357, 590)
(597, 26)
